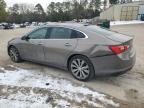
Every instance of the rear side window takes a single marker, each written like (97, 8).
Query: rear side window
(77, 34)
(60, 33)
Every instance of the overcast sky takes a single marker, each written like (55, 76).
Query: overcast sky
(44, 3)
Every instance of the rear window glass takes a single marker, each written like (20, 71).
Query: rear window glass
(100, 30)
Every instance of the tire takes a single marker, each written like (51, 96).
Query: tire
(14, 54)
(81, 68)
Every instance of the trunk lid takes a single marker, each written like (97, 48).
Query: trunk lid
(112, 35)
(119, 37)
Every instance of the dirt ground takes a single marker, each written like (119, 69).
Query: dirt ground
(127, 88)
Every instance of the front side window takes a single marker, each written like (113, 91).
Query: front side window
(38, 34)
(60, 33)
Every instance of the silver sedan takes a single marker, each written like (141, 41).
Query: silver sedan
(85, 50)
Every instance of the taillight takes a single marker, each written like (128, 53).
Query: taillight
(119, 49)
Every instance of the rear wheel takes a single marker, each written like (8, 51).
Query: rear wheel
(14, 54)
(81, 68)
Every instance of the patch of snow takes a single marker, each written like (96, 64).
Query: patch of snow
(65, 88)
(126, 22)
(5, 103)
(32, 97)
(63, 103)
(12, 66)
(1, 68)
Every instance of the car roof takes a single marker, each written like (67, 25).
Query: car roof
(69, 25)
(64, 24)
(75, 26)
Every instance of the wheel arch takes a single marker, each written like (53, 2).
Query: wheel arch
(10, 47)
(92, 75)
(69, 58)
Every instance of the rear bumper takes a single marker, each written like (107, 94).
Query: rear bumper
(112, 64)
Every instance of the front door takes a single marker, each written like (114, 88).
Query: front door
(32, 49)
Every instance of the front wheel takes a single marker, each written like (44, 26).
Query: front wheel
(81, 68)
(14, 54)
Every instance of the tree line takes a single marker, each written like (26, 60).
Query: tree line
(56, 11)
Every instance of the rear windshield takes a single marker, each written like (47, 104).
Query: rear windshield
(99, 30)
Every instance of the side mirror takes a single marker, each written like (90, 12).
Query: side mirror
(25, 38)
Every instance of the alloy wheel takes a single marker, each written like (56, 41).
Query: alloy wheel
(13, 55)
(80, 68)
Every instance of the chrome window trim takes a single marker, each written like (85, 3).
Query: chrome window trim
(86, 36)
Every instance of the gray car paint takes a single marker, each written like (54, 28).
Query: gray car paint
(56, 50)
(94, 46)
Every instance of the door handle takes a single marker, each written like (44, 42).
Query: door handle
(68, 44)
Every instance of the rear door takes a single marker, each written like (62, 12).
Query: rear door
(59, 45)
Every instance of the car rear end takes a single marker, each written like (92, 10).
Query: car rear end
(118, 58)
(124, 58)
